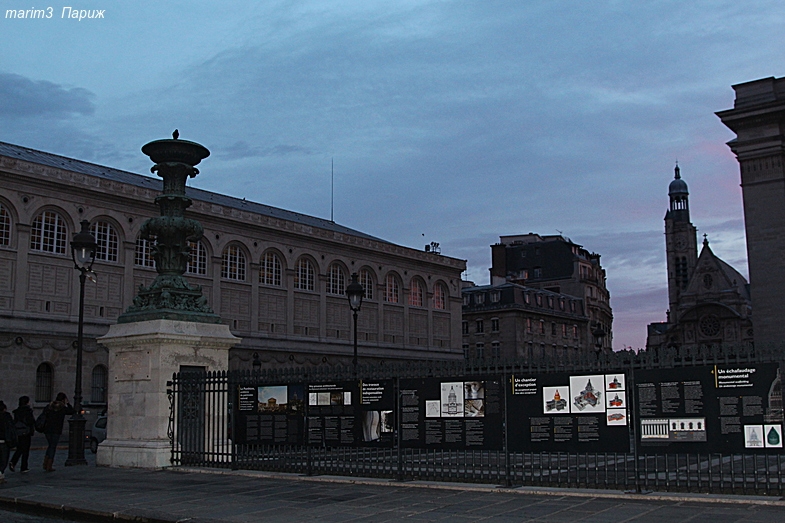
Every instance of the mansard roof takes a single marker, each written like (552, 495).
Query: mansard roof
(148, 182)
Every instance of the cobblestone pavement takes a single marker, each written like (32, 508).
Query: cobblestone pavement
(103, 494)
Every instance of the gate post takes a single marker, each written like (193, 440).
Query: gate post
(633, 427)
(307, 434)
(398, 439)
(507, 468)
(143, 356)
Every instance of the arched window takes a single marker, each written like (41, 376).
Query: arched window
(98, 390)
(5, 226)
(304, 275)
(391, 288)
(439, 297)
(106, 241)
(270, 273)
(197, 261)
(415, 293)
(336, 284)
(48, 233)
(233, 263)
(44, 377)
(366, 280)
(144, 253)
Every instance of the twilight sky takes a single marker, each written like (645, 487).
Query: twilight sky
(448, 121)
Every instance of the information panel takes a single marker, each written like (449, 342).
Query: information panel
(710, 408)
(452, 414)
(269, 414)
(568, 413)
(351, 413)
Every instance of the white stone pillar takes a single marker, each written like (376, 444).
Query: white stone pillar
(142, 358)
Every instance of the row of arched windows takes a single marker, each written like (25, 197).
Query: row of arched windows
(49, 234)
(234, 266)
(44, 384)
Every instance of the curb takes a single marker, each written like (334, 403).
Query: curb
(476, 487)
(70, 513)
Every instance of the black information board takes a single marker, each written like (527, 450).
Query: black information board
(377, 412)
(451, 414)
(712, 408)
(269, 414)
(351, 413)
(568, 413)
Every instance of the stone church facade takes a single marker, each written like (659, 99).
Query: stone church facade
(276, 277)
(709, 301)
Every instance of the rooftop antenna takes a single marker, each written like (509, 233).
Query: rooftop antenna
(332, 190)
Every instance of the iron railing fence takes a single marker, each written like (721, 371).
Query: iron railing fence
(201, 427)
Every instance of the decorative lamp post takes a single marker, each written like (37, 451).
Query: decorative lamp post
(83, 248)
(170, 296)
(354, 292)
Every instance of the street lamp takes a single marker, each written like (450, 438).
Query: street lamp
(599, 334)
(354, 292)
(83, 248)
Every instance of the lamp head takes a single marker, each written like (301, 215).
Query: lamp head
(83, 247)
(355, 293)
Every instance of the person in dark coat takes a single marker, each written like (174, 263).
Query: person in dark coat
(55, 416)
(6, 441)
(23, 416)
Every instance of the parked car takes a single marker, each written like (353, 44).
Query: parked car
(98, 433)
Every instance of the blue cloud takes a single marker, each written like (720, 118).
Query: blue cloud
(22, 97)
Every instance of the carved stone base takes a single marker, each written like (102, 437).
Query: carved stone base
(142, 358)
(153, 454)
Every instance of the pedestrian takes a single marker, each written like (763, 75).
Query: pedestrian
(55, 416)
(24, 421)
(7, 438)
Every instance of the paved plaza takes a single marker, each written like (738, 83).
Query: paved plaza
(202, 496)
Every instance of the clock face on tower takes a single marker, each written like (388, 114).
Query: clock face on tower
(680, 243)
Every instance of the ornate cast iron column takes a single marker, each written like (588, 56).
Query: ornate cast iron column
(170, 296)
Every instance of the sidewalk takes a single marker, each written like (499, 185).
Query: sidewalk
(211, 495)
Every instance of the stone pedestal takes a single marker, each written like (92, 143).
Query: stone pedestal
(142, 358)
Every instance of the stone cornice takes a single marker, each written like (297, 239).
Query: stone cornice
(213, 210)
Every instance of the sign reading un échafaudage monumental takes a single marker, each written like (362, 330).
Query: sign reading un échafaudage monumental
(710, 408)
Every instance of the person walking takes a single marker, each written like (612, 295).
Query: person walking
(55, 416)
(7, 438)
(24, 421)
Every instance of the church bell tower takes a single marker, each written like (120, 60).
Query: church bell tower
(681, 246)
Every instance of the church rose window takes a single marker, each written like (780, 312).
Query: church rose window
(709, 325)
